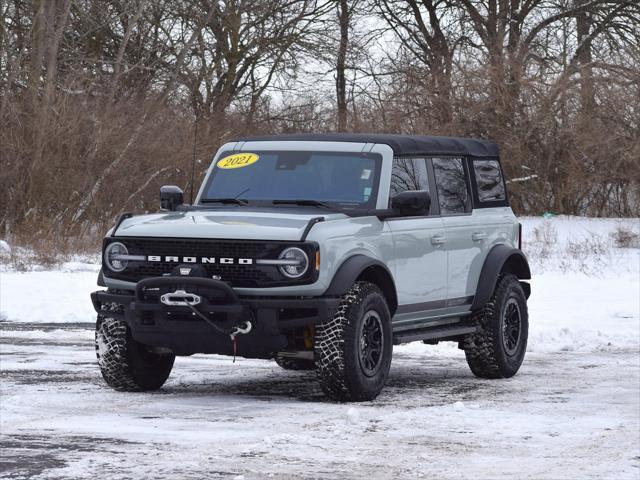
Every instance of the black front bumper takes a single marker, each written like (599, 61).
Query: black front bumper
(177, 328)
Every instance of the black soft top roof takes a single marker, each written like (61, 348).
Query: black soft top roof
(402, 145)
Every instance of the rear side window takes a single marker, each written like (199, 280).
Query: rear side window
(489, 181)
(409, 174)
(453, 193)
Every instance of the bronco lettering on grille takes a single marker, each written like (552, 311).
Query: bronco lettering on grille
(204, 260)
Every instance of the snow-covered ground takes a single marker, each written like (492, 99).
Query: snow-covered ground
(573, 411)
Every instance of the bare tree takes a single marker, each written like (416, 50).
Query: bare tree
(426, 31)
(98, 97)
(242, 48)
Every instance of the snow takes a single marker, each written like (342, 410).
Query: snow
(353, 415)
(48, 296)
(574, 312)
(5, 247)
(573, 411)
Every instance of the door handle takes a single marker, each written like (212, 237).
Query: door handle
(477, 236)
(438, 239)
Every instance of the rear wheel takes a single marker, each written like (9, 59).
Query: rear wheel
(125, 364)
(497, 349)
(353, 350)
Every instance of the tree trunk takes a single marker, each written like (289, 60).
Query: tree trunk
(587, 95)
(341, 83)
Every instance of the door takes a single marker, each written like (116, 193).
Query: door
(419, 260)
(492, 218)
(465, 242)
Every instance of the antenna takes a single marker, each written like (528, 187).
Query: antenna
(193, 161)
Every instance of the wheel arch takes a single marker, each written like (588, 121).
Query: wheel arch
(501, 259)
(363, 268)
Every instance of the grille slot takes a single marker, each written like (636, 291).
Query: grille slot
(248, 276)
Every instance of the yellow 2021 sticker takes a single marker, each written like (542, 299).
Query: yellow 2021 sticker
(237, 160)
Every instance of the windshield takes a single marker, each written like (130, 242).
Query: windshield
(347, 180)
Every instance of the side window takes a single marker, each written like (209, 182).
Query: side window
(408, 174)
(453, 194)
(489, 180)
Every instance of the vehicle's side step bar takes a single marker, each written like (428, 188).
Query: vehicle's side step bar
(439, 333)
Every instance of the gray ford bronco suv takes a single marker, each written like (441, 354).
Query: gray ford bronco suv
(320, 251)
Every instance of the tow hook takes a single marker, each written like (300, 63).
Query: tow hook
(235, 331)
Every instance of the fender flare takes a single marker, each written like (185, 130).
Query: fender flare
(375, 271)
(501, 258)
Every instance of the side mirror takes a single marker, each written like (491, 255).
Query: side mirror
(170, 198)
(411, 203)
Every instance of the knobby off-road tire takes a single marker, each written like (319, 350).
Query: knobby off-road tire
(498, 348)
(347, 364)
(295, 363)
(126, 364)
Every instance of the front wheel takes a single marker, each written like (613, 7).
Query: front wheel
(497, 349)
(353, 350)
(127, 365)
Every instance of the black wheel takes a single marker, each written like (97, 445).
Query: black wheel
(127, 365)
(498, 348)
(289, 363)
(353, 350)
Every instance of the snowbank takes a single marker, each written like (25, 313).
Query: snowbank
(594, 246)
(48, 297)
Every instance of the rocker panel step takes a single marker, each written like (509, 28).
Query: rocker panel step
(433, 333)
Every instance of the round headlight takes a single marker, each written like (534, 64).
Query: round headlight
(113, 256)
(295, 262)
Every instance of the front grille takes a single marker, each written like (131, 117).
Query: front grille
(248, 276)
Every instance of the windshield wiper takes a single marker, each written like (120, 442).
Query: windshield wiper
(236, 201)
(307, 203)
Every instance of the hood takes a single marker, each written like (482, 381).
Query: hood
(240, 224)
